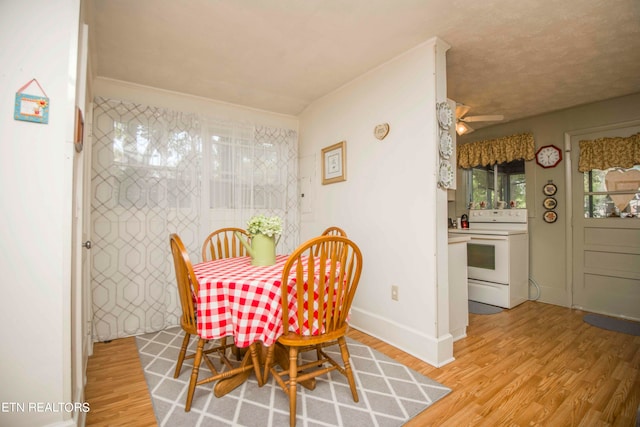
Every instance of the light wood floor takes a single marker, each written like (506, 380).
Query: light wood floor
(534, 365)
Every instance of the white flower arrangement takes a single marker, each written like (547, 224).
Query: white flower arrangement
(260, 224)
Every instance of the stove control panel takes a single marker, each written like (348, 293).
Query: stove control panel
(498, 215)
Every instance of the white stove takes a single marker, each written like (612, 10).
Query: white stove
(497, 256)
(498, 221)
(481, 231)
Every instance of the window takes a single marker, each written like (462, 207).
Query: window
(151, 169)
(612, 193)
(245, 175)
(248, 168)
(499, 182)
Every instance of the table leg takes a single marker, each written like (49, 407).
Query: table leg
(237, 376)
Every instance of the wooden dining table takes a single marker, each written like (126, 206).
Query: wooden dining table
(238, 299)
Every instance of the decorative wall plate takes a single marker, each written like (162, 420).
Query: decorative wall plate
(381, 131)
(445, 115)
(549, 189)
(550, 216)
(446, 145)
(445, 178)
(550, 203)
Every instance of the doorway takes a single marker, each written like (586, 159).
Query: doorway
(605, 249)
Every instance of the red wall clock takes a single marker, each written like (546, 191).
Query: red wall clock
(548, 156)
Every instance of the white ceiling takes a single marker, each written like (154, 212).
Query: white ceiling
(517, 58)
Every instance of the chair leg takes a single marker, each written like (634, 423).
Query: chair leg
(344, 351)
(293, 376)
(181, 355)
(194, 374)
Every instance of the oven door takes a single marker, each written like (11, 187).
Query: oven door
(488, 258)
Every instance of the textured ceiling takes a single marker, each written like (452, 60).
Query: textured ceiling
(517, 58)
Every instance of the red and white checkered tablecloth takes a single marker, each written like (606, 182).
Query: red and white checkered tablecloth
(239, 299)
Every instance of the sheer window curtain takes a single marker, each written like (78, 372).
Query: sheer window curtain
(252, 170)
(155, 172)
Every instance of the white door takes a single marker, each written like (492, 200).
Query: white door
(80, 281)
(606, 251)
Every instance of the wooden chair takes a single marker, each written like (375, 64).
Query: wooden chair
(223, 243)
(187, 290)
(338, 261)
(334, 231)
(331, 231)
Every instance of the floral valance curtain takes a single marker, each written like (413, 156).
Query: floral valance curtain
(499, 150)
(605, 153)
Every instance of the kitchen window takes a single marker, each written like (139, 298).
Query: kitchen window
(499, 182)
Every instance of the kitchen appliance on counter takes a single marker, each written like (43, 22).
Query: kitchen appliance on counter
(497, 256)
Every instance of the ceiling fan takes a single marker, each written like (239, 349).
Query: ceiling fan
(461, 121)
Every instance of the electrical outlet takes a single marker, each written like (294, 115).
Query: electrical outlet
(394, 292)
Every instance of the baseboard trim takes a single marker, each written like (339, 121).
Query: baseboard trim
(434, 351)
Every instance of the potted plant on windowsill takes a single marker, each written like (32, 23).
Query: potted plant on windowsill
(265, 233)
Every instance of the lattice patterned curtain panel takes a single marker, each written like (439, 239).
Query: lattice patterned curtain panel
(605, 153)
(499, 150)
(156, 172)
(146, 171)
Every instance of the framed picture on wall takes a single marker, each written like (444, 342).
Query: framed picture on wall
(334, 163)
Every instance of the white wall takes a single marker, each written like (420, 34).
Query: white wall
(389, 203)
(126, 91)
(38, 39)
(548, 242)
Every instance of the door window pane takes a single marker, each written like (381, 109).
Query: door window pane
(612, 193)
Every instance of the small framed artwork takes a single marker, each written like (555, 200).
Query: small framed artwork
(334, 163)
(31, 108)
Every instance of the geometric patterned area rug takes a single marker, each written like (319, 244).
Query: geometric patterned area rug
(389, 393)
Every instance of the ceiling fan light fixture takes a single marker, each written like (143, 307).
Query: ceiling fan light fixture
(484, 118)
(462, 128)
(461, 110)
